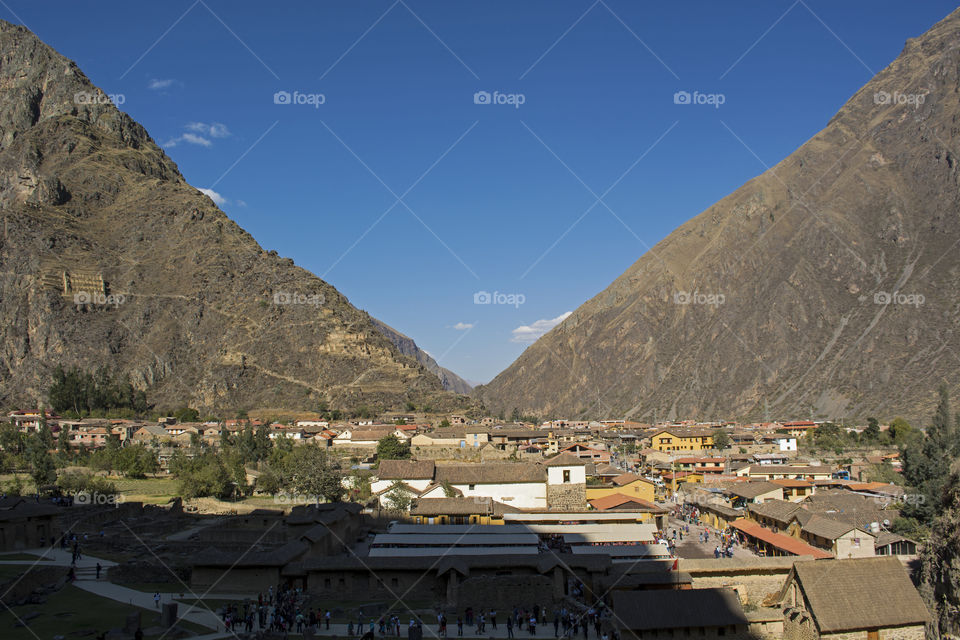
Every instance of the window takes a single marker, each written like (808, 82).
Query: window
(394, 582)
(471, 487)
(326, 583)
(566, 475)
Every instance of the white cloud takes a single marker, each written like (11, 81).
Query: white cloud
(214, 130)
(528, 334)
(192, 138)
(462, 326)
(218, 199)
(157, 84)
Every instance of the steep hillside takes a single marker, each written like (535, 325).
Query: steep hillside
(774, 299)
(108, 257)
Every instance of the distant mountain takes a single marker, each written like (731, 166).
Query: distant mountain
(406, 345)
(827, 286)
(108, 257)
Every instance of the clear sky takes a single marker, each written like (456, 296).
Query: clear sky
(411, 190)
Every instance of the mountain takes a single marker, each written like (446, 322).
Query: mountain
(406, 346)
(827, 286)
(108, 257)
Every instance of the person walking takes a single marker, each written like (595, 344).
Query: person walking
(156, 599)
(509, 626)
(326, 617)
(459, 625)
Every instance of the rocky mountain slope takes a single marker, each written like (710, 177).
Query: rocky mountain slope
(827, 286)
(108, 257)
(406, 345)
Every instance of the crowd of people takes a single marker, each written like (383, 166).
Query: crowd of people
(283, 610)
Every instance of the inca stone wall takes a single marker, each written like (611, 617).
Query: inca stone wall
(567, 497)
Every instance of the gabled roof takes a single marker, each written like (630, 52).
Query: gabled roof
(677, 609)
(783, 542)
(616, 500)
(779, 510)
(828, 528)
(627, 478)
(565, 460)
(752, 489)
(490, 473)
(460, 506)
(406, 470)
(858, 593)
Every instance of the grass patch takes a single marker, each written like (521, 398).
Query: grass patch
(74, 609)
(22, 556)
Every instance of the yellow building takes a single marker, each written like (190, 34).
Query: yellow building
(627, 484)
(682, 439)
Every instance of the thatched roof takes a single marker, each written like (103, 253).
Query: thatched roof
(677, 609)
(779, 510)
(859, 593)
(406, 470)
(490, 473)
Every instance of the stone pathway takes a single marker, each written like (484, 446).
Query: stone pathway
(691, 548)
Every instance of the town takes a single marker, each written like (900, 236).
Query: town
(610, 528)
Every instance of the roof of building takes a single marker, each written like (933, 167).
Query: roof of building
(782, 542)
(791, 483)
(859, 593)
(406, 470)
(490, 473)
(779, 510)
(828, 528)
(618, 500)
(752, 489)
(677, 609)
(565, 460)
(627, 478)
(460, 506)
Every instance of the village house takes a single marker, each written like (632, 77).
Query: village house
(455, 438)
(670, 613)
(627, 484)
(774, 471)
(26, 525)
(744, 493)
(682, 439)
(794, 490)
(860, 598)
(417, 474)
(797, 429)
(839, 538)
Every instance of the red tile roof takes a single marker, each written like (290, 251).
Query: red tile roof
(780, 541)
(618, 499)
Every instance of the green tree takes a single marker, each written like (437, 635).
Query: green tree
(310, 471)
(444, 423)
(63, 443)
(872, 432)
(926, 462)
(186, 414)
(389, 447)
(43, 470)
(137, 461)
(398, 496)
(721, 440)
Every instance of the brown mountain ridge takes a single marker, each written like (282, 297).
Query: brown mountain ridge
(773, 300)
(171, 292)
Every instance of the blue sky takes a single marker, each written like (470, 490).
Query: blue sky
(409, 196)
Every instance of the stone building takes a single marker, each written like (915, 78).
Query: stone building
(856, 599)
(26, 525)
(566, 483)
